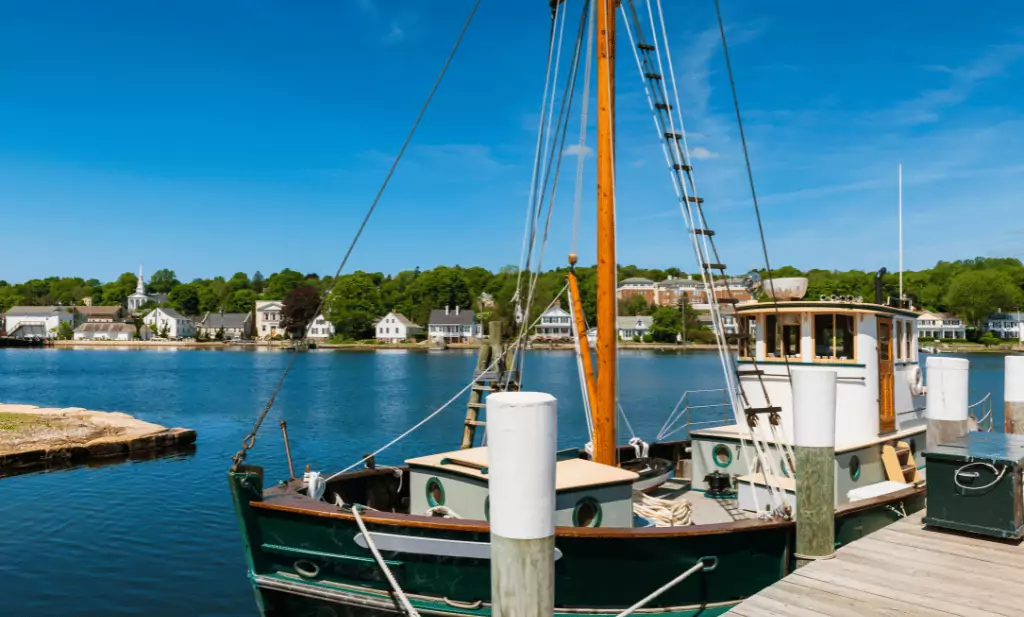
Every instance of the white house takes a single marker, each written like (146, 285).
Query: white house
(396, 327)
(99, 331)
(178, 326)
(555, 323)
(1007, 325)
(940, 325)
(454, 326)
(320, 328)
(268, 318)
(234, 325)
(37, 322)
(630, 327)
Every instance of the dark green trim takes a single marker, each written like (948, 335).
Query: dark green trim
(854, 467)
(432, 481)
(598, 515)
(714, 454)
(794, 363)
(860, 306)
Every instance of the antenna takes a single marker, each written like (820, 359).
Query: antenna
(900, 182)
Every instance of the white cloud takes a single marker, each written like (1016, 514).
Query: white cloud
(703, 154)
(396, 35)
(575, 150)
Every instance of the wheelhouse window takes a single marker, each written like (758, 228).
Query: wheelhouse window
(899, 341)
(834, 337)
(772, 337)
(746, 336)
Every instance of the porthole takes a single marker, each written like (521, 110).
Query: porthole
(435, 493)
(587, 513)
(854, 468)
(722, 455)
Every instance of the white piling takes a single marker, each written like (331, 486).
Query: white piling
(814, 440)
(1013, 395)
(946, 401)
(521, 431)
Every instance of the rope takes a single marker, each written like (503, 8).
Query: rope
(663, 512)
(409, 608)
(250, 439)
(999, 476)
(469, 385)
(580, 371)
(660, 590)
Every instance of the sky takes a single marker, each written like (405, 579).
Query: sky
(215, 137)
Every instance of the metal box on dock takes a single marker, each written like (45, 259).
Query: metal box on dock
(975, 485)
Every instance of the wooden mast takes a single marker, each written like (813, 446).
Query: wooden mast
(581, 334)
(607, 275)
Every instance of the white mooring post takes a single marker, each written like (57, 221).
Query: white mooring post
(1013, 395)
(946, 400)
(814, 441)
(521, 431)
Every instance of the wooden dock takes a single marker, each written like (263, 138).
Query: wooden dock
(904, 569)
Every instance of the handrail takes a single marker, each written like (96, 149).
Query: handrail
(986, 407)
(680, 420)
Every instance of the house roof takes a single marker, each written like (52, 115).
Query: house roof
(99, 311)
(109, 327)
(628, 323)
(269, 305)
(465, 317)
(555, 311)
(227, 320)
(680, 282)
(402, 319)
(931, 315)
(36, 310)
(171, 313)
(635, 280)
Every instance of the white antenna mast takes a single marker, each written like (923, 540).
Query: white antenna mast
(901, 230)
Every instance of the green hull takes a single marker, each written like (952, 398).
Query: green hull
(595, 574)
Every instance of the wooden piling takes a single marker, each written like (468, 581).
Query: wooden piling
(1013, 395)
(814, 438)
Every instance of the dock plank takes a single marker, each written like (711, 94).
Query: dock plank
(907, 570)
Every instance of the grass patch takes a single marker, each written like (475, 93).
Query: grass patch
(19, 421)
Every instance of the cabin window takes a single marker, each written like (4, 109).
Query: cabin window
(899, 341)
(791, 340)
(722, 455)
(834, 337)
(587, 513)
(435, 493)
(772, 337)
(746, 336)
(908, 340)
(854, 468)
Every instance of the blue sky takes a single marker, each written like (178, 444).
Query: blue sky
(216, 137)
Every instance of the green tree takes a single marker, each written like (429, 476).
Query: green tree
(163, 281)
(258, 281)
(185, 299)
(353, 305)
(238, 282)
(668, 322)
(65, 331)
(165, 331)
(635, 305)
(242, 301)
(280, 284)
(220, 334)
(975, 295)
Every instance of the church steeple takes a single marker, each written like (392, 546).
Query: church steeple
(140, 288)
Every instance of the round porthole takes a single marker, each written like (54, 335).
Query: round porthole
(435, 493)
(854, 468)
(487, 508)
(587, 513)
(722, 455)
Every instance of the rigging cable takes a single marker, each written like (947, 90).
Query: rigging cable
(580, 154)
(250, 439)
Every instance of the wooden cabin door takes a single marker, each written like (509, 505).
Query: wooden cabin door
(886, 405)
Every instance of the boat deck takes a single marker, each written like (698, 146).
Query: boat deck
(706, 511)
(904, 569)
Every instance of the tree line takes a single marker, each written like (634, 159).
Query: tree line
(972, 288)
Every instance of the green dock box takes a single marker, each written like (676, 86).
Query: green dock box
(975, 484)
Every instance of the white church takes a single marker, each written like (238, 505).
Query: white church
(140, 297)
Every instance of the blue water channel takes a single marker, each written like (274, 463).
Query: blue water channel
(159, 537)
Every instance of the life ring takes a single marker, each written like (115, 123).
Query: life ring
(916, 381)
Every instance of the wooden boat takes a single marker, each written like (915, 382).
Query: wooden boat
(307, 554)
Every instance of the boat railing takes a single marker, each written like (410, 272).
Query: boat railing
(983, 407)
(711, 412)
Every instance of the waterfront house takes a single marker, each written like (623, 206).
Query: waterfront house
(111, 332)
(630, 327)
(941, 325)
(100, 314)
(670, 291)
(36, 322)
(555, 324)
(1007, 325)
(453, 325)
(706, 319)
(636, 286)
(235, 325)
(320, 328)
(395, 328)
(268, 318)
(178, 326)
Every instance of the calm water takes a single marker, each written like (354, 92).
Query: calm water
(159, 537)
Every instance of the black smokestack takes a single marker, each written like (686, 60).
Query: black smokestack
(878, 285)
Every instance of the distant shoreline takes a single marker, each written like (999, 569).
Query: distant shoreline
(284, 346)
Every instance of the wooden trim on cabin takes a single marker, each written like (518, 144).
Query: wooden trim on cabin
(806, 305)
(800, 363)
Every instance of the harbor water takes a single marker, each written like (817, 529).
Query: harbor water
(159, 537)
